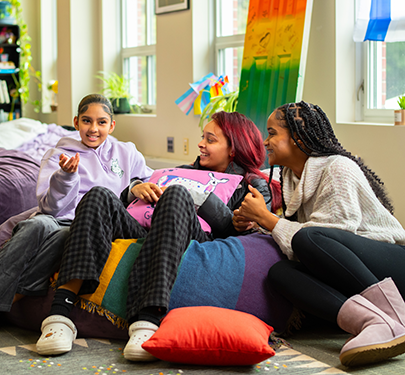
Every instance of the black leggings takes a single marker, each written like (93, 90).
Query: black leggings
(333, 266)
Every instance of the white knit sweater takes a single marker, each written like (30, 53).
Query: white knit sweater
(334, 192)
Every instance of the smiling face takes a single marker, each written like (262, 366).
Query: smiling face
(215, 151)
(94, 125)
(279, 144)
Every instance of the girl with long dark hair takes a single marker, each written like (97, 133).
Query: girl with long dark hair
(345, 249)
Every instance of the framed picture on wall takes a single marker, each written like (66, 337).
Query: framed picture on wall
(166, 6)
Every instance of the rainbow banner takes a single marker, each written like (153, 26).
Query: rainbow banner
(274, 57)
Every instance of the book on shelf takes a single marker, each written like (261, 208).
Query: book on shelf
(8, 116)
(2, 97)
(4, 94)
(4, 90)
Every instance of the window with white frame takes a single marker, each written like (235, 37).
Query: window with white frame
(382, 68)
(231, 17)
(139, 51)
(49, 54)
(385, 74)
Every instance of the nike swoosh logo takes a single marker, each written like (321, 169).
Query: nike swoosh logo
(67, 301)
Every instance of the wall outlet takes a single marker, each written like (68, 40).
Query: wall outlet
(170, 144)
(185, 146)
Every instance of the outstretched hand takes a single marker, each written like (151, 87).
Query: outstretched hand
(147, 191)
(69, 165)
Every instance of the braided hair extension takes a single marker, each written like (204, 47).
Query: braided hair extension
(310, 125)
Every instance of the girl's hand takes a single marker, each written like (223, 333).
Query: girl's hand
(69, 165)
(254, 209)
(241, 223)
(147, 191)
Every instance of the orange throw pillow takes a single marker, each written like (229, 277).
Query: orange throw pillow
(205, 335)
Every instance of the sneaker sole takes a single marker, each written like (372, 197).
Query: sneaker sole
(51, 349)
(373, 353)
(139, 357)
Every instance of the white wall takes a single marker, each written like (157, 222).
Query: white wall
(82, 54)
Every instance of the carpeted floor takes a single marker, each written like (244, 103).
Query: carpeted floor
(323, 341)
(315, 350)
(99, 356)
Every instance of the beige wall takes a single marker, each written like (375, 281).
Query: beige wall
(381, 147)
(81, 54)
(174, 70)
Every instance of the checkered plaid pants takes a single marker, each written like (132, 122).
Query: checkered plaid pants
(174, 224)
(101, 218)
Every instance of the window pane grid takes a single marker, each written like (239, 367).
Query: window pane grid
(385, 74)
(151, 65)
(230, 62)
(134, 14)
(151, 22)
(139, 49)
(231, 17)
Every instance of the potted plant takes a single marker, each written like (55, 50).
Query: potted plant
(400, 113)
(53, 88)
(116, 88)
(227, 103)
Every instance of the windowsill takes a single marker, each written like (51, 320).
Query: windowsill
(136, 114)
(365, 123)
(160, 163)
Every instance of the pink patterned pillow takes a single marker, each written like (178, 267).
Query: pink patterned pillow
(222, 185)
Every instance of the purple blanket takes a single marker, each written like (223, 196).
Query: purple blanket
(19, 170)
(18, 180)
(37, 147)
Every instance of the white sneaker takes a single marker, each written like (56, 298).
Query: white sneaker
(58, 334)
(139, 332)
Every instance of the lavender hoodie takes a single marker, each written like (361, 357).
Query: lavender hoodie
(112, 165)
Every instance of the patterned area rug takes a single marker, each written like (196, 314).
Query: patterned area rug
(103, 357)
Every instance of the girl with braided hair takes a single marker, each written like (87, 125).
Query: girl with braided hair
(345, 249)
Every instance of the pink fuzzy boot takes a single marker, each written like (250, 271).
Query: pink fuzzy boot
(377, 336)
(387, 298)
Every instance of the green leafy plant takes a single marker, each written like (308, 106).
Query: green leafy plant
(401, 101)
(115, 86)
(227, 103)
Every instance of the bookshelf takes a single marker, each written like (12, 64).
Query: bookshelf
(9, 68)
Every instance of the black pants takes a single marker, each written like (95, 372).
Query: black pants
(333, 266)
